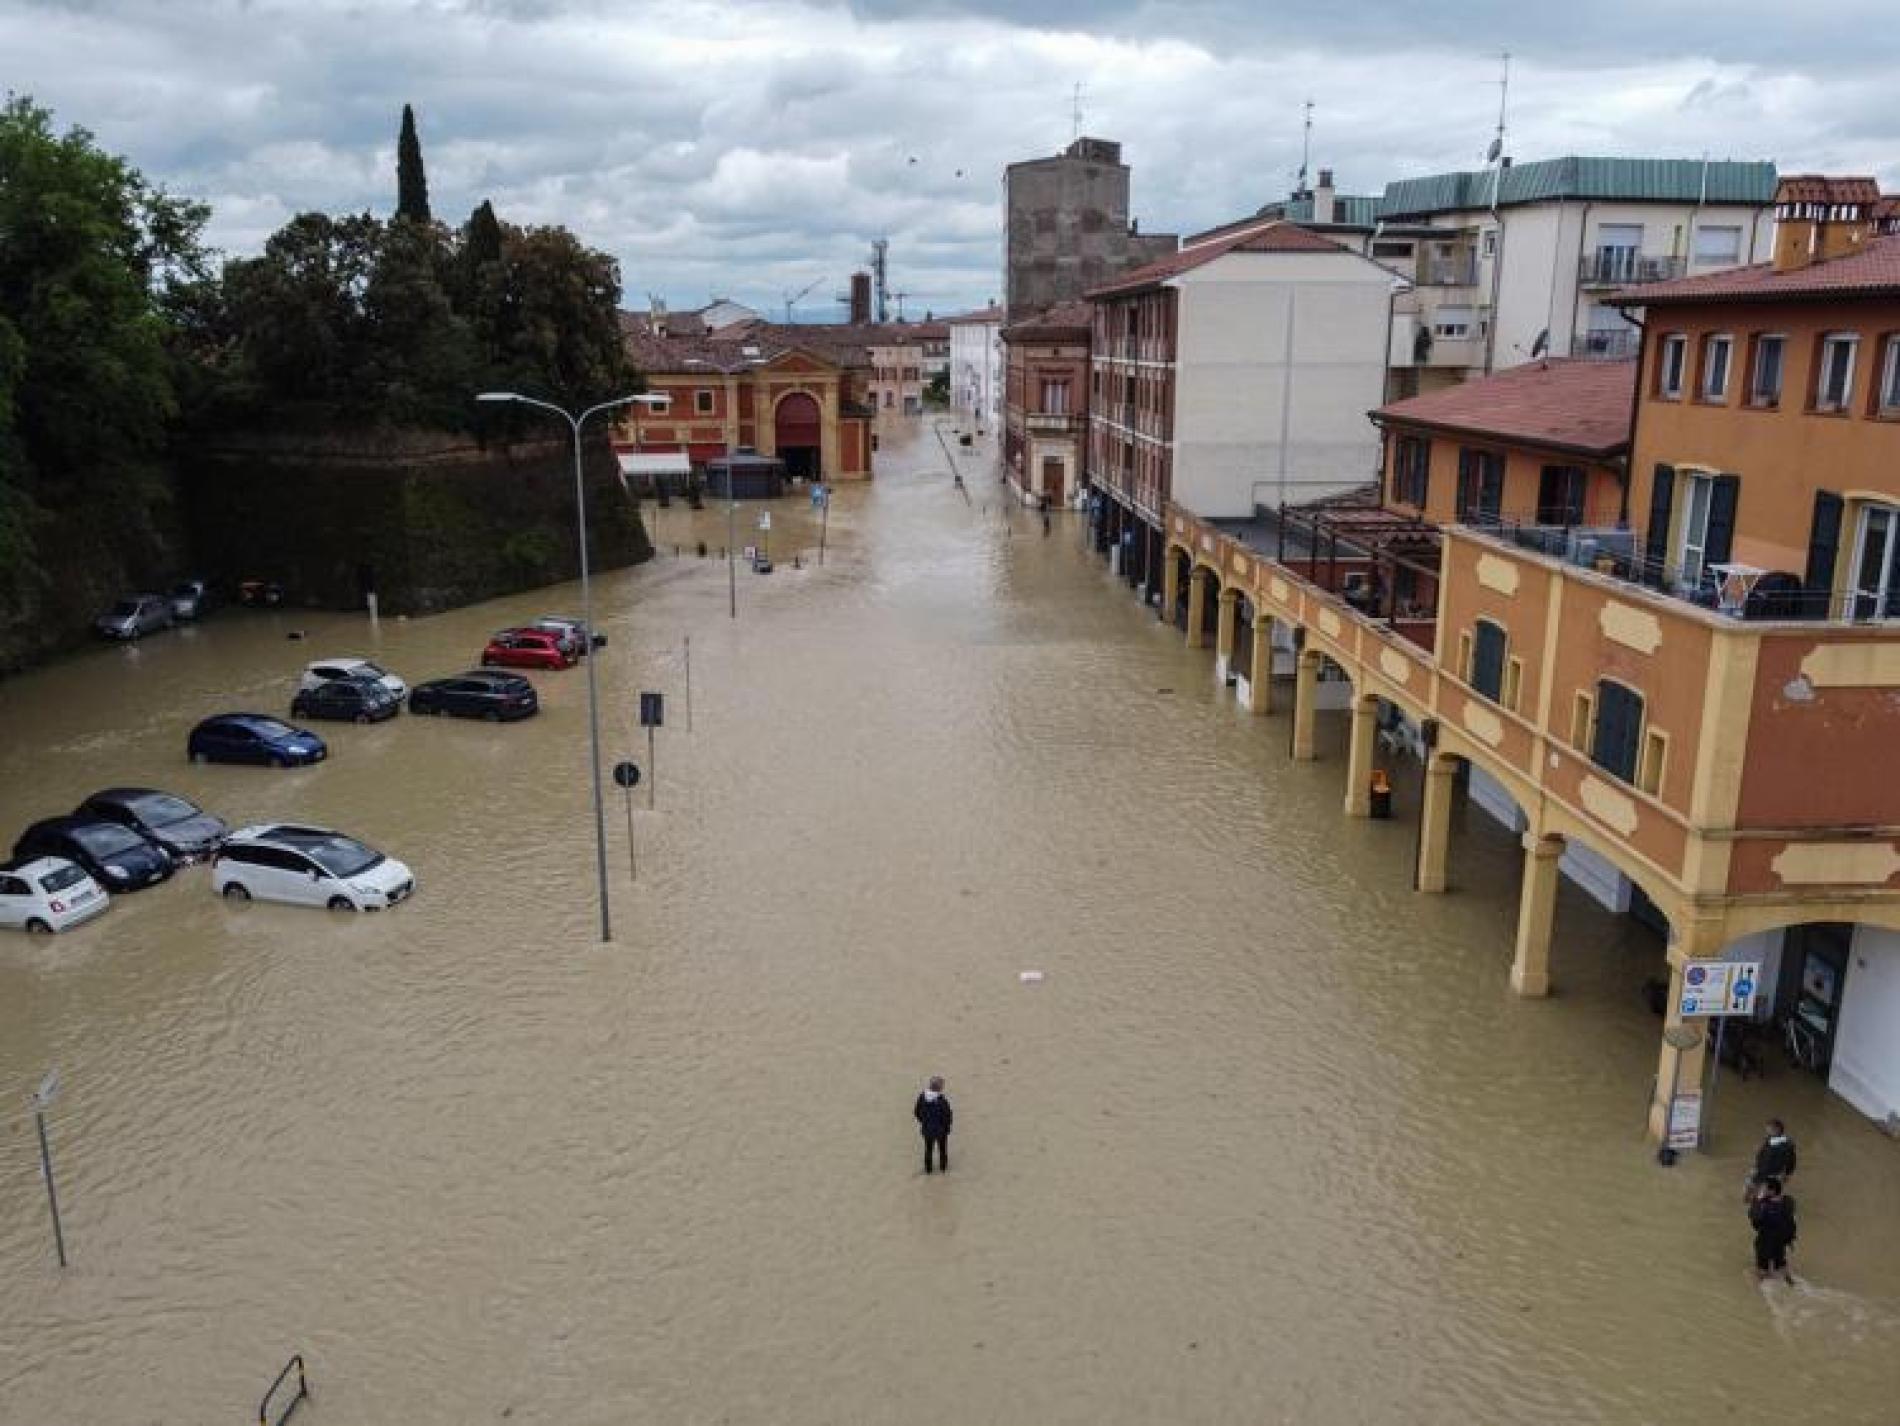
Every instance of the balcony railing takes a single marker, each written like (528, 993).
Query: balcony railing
(1052, 422)
(1738, 592)
(1607, 346)
(1624, 267)
(1448, 272)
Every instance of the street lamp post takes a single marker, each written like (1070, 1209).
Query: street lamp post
(732, 495)
(587, 611)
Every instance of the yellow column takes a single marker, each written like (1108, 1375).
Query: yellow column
(1536, 914)
(1260, 680)
(1305, 695)
(1434, 837)
(1224, 629)
(1170, 584)
(1365, 724)
(1680, 1067)
(1197, 608)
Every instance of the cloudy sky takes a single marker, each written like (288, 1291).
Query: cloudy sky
(751, 147)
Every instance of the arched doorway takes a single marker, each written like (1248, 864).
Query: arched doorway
(797, 432)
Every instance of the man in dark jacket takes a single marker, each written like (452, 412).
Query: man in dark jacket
(1772, 1214)
(1774, 1159)
(933, 1117)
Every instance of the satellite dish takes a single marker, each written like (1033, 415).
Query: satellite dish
(1541, 345)
(1497, 147)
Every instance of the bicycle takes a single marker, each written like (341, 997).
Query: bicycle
(1804, 1045)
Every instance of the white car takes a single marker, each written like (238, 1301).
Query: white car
(330, 670)
(307, 866)
(44, 894)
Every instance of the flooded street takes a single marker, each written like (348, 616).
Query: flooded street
(1272, 1140)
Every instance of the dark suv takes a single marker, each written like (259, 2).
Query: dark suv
(479, 693)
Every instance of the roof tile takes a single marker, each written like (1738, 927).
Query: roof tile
(1580, 406)
(1873, 271)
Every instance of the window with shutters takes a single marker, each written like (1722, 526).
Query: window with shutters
(1616, 738)
(1824, 541)
(1834, 372)
(1888, 401)
(1874, 582)
(1513, 683)
(1669, 369)
(1411, 469)
(1486, 673)
(1480, 484)
(1560, 495)
(1705, 529)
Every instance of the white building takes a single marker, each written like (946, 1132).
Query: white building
(976, 366)
(1238, 373)
(1512, 263)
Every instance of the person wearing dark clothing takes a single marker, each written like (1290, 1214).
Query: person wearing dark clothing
(1774, 1159)
(1772, 1215)
(933, 1117)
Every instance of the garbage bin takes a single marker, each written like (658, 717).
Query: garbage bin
(1381, 793)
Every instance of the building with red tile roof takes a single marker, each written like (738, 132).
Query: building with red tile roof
(1567, 405)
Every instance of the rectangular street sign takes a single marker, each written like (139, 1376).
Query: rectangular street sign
(652, 710)
(765, 519)
(1717, 988)
(819, 495)
(1685, 1122)
(49, 1087)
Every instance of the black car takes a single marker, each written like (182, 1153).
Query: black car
(479, 693)
(253, 738)
(354, 700)
(182, 828)
(118, 858)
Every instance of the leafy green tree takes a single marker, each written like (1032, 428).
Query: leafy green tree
(412, 184)
(88, 254)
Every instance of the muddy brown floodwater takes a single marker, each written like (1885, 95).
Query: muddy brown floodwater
(1271, 1142)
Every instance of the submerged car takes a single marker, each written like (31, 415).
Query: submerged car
(253, 738)
(115, 856)
(308, 866)
(331, 670)
(479, 693)
(190, 599)
(572, 634)
(135, 616)
(45, 894)
(353, 700)
(181, 827)
(527, 648)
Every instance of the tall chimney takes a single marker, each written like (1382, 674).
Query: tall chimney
(860, 298)
(1323, 197)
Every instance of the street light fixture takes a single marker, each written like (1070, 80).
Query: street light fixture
(587, 607)
(732, 496)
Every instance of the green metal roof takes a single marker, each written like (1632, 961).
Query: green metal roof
(1350, 209)
(1629, 180)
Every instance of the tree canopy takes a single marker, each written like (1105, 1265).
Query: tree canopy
(91, 256)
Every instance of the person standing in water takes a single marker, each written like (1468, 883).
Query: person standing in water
(1774, 1159)
(933, 1117)
(1772, 1216)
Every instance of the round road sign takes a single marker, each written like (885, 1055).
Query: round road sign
(627, 774)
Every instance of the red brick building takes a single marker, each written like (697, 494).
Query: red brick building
(1046, 402)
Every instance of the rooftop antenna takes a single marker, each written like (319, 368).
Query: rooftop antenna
(880, 285)
(1075, 113)
(1495, 154)
(1306, 149)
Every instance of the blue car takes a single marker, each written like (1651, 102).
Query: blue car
(253, 738)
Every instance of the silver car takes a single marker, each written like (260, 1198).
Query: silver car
(135, 616)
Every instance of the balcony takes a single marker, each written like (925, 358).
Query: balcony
(1052, 423)
(1448, 272)
(1624, 267)
(1730, 591)
(1607, 346)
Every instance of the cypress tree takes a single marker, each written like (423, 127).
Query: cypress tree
(484, 235)
(412, 185)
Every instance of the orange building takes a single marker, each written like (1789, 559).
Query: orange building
(751, 390)
(1676, 675)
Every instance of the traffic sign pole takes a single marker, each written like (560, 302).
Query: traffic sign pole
(41, 1100)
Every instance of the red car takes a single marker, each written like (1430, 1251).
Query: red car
(526, 648)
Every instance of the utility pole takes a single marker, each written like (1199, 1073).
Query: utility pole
(1496, 155)
(1306, 149)
(880, 277)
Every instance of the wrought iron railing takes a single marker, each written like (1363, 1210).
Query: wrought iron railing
(1622, 267)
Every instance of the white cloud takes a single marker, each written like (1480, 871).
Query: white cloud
(749, 147)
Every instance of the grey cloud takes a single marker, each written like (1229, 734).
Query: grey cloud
(749, 147)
